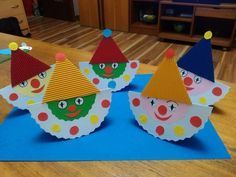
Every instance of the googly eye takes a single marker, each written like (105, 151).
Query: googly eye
(114, 65)
(79, 101)
(101, 65)
(23, 84)
(42, 75)
(172, 106)
(183, 73)
(62, 104)
(197, 79)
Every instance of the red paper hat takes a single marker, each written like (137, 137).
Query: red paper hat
(24, 66)
(107, 51)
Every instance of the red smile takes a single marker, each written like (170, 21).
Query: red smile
(189, 88)
(108, 75)
(73, 114)
(162, 118)
(38, 90)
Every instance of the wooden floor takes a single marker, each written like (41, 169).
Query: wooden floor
(135, 46)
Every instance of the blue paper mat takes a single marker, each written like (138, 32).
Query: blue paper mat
(119, 138)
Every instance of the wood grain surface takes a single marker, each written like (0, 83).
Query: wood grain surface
(223, 119)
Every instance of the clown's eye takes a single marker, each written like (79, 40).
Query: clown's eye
(172, 105)
(114, 65)
(183, 73)
(23, 84)
(152, 102)
(101, 65)
(79, 101)
(62, 104)
(197, 79)
(42, 75)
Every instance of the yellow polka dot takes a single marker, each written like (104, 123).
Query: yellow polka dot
(56, 128)
(202, 100)
(208, 35)
(143, 119)
(126, 78)
(94, 119)
(179, 130)
(13, 46)
(30, 102)
(86, 71)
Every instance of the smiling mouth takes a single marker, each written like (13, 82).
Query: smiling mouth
(162, 118)
(108, 75)
(189, 88)
(73, 114)
(38, 90)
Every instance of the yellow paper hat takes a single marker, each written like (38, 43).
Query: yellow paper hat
(166, 82)
(67, 82)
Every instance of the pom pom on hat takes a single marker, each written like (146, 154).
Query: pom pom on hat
(60, 57)
(170, 53)
(107, 33)
(208, 35)
(13, 46)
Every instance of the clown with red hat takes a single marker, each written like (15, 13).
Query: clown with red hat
(109, 68)
(29, 79)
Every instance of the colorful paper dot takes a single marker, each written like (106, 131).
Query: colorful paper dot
(133, 65)
(112, 84)
(74, 130)
(196, 121)
(143, 119)
(136, 102)
(30, 102)
(43, 116)
(105, 103)
(217, 91)
(13, 97)
(56, 128)
(160, 130)
(202, 100)
(94, 119)
(86, 71)
(179, 130)
(126, 77)
(96, 81)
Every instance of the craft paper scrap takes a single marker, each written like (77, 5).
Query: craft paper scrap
(29, 79)
(72, 105)
(109, 68)
(196, 68)
(164, 108)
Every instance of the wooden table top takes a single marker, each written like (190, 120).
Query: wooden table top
(223, 119)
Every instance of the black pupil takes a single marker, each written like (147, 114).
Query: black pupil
(79, 101)
(172, 107)
(62, 104)
(152, 102)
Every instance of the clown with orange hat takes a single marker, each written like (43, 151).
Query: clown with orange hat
(29, 79)
(109, 68)
(197, 71)
(164, 108)
(72, 106)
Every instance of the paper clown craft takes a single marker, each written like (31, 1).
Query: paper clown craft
(196, 68)
(72, 105)
(109, 68)
(164, 108)
(29, 78)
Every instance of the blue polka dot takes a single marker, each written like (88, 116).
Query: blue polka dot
(107, 33)
(112, 84)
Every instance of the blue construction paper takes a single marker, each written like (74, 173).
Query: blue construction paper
(118, 138)
(198, 60)
(5, 51)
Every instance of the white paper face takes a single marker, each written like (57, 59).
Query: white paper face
(115, 84)
(201, 90)
(162, 120)
(69, 129)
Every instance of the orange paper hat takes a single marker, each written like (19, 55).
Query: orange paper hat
(67, 82)
(166, 82)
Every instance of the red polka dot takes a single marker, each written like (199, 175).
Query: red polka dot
(160, 130)
(136, 102)
(13, 97)
(217, 91)
(134, 65)
(96, 81)
(43, 116)
(196, 121)
(74, 130)
(105, 103)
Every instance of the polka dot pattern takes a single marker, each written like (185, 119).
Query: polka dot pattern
(105, 103)
(30, 102)
(179, 130)
(112, 84)
(202, 100)
(143, 119)
(217, 91)
(136, 102)
(126, 77)
(42, 116)
(94, 119)
(74, 130)
(196, 121)
(56, 128)
(133, 65)
(13, 97)
(96, 81)
(160, 130)
(86, 71)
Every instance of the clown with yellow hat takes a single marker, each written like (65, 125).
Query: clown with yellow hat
(109, 68)
(29, 79)
(164, 108)
(72, 105)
